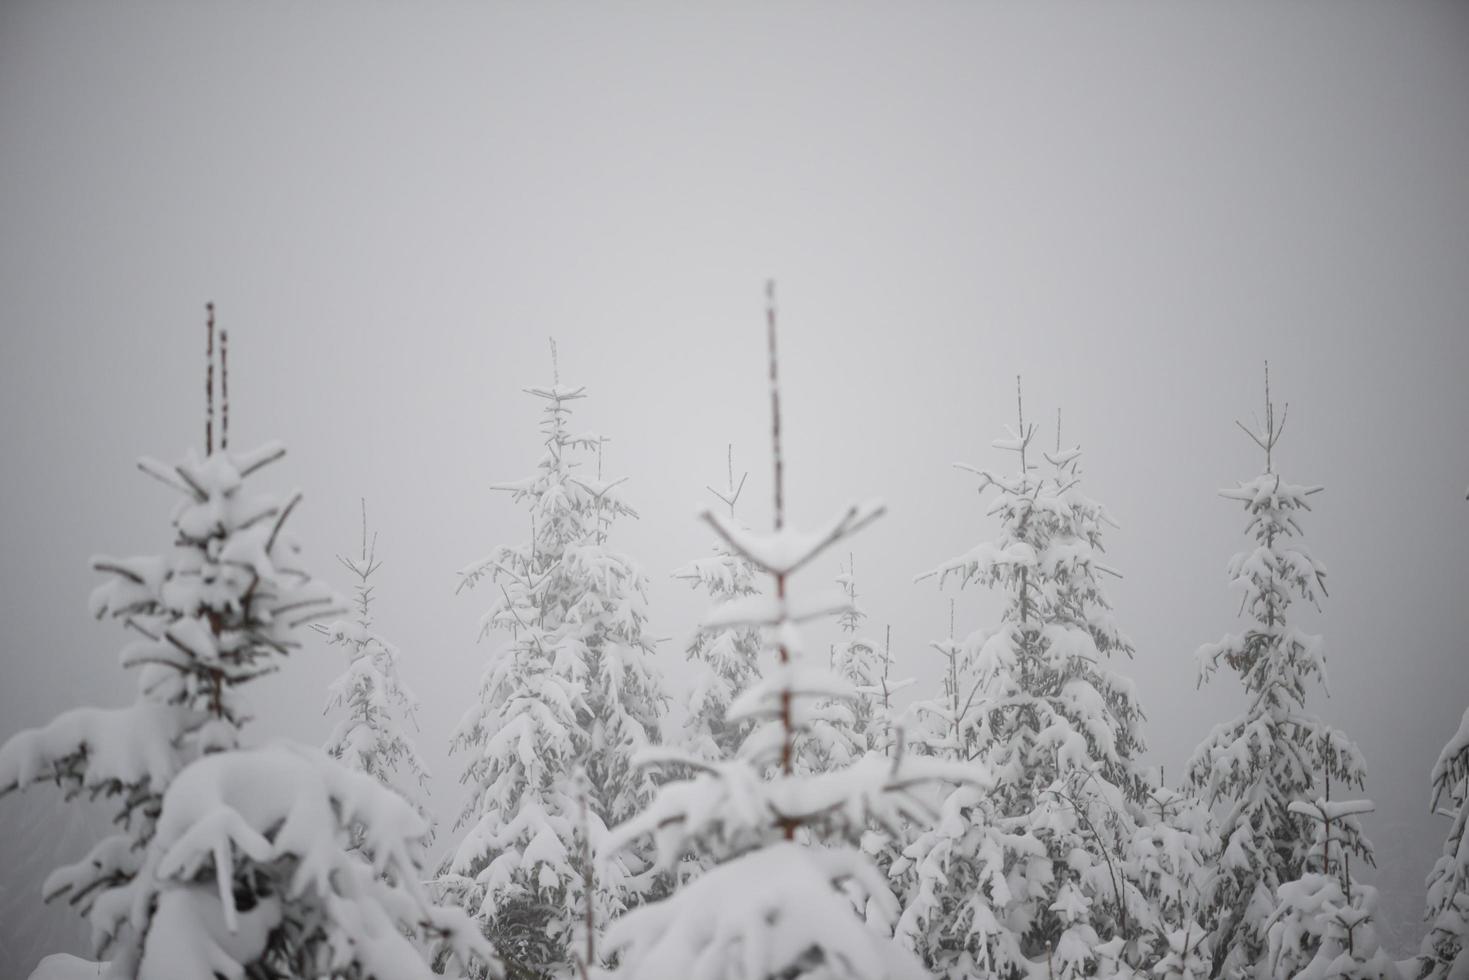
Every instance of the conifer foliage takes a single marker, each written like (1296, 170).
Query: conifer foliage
(228, 861)
(868, 667)
(771, 907)
(1034, 870)
(802, 826)
(1252, 769)
(373, 737)
(572, 696)
(1324, 922)
(1445, 952)
(726, 658)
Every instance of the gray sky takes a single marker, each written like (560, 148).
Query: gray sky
(394, 206)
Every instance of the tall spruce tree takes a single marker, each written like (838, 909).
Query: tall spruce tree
(1253, 768)
(771, 907)
(571, 698)
(228, 861)
(1038, 862)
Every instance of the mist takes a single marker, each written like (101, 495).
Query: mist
(1130, 209)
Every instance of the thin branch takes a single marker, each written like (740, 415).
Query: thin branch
(280, 521)
(263, 461)
(162, 474)
(116, 569)
(198, 490)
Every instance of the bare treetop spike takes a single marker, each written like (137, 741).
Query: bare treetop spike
(209, 379)
(224, 389)
(1270, 431)
(775, 405)
(732, 497)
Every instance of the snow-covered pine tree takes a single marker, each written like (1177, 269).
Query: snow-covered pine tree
(890, 734)
(840, 730)
(1073, 566)
(1445, 950)
(573, 692)
(1324, 922)
(727, 658)
(858, 659)
(1040, 862)
(772, 907)
(373, 737)
(1251, 769)
(228, 862)
(1171, 857)
(936, 725)
(885, 735)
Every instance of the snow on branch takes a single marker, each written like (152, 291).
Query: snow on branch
(764, 610)
(783, 911)
(1330, 811)
(99, 747)
(286, 810)
(787, 550)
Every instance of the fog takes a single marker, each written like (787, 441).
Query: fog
(394, 208)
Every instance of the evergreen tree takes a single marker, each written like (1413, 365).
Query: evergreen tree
(1445, 950)
(961, 876)
(228, 861)
(771, 907)
(1253, 768)
(1171, 858)
(1042, 857)
(869, 669)
(727, 657)
(573, 695)
(936, 725)
(840, 730)
(372, 738)
(1324, 922)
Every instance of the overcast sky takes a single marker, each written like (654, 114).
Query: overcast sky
(394, 206)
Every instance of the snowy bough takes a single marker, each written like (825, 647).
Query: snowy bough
(774, 904)
(1253, 769)
(228, 861)
(561, 712)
